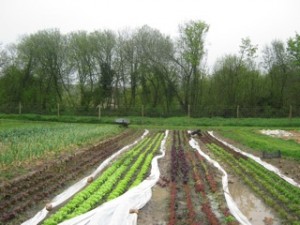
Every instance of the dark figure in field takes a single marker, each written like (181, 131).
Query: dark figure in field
(196, 132)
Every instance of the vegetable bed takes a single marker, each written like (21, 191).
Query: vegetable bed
(20, 196)
(196, 196)
(283, 197)
(126, 172)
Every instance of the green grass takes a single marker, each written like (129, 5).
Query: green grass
(21, 140)
(165, 122)
(252, 138)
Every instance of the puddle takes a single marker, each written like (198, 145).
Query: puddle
(251, 206)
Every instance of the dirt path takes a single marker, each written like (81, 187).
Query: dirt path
(154, 213)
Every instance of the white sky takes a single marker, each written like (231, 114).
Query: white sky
(230, 20)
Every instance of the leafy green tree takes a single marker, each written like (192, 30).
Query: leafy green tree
(104, 47)
(44, 60)
(190, 52)
(82, 62)
(294, 49)
(277, 63)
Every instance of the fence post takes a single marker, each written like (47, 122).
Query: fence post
(58, 109)
(189, 110)
(143, 112)
(291, 112)
(238, 111)
(99, 111)
(20, 108)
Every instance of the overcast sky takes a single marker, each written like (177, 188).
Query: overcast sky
(230, 20)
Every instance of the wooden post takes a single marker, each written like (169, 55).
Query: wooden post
(291, 112)
(143, 113)
(99, 111)
(58, 109)
(238, 111)
(20, 108)
(189, 110)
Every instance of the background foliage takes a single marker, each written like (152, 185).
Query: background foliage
(144, 71)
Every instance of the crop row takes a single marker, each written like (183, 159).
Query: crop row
(252, 138)
(192, 181)
(20, 195)
(205, 184)
(114, 181)
(179, 180)
(276, 192)
(32, 141)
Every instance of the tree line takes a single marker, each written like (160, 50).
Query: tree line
(143, 67)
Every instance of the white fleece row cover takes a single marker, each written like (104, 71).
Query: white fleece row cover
(116, 211)
(234, 210)
(68, 193)
(258, 160)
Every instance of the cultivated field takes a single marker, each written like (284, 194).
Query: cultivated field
(190, 190)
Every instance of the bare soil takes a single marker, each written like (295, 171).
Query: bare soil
(295, 136)
(155, 212)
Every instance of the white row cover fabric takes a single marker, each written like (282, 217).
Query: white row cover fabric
(68, 193)
(258, 160)
(276, 133)
(116, 212)
(234, 210)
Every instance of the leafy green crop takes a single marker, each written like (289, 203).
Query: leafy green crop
(260, 142)
(113, 182)
(276, 192)
(25, 141)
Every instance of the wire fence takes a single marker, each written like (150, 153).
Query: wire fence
(148, 111)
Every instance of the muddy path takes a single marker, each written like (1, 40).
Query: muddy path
(250, 204)
(273, 201)
(23, 196)
(155, 210)
(257, 212)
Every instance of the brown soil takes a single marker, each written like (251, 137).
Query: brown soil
(289, 167)
(154, 213)
(295, 136)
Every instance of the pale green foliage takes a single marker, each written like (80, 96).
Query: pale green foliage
(294, 48)
(27, 141)
(192, 41)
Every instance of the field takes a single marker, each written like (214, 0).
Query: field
(23, 143)
(52, 156)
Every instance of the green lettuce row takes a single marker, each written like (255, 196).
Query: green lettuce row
(231, 161)
(121, 187)
(97, 191)
(110, 175)
(260, 175)
(123, 184)
(277, 186)
(141, 175)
